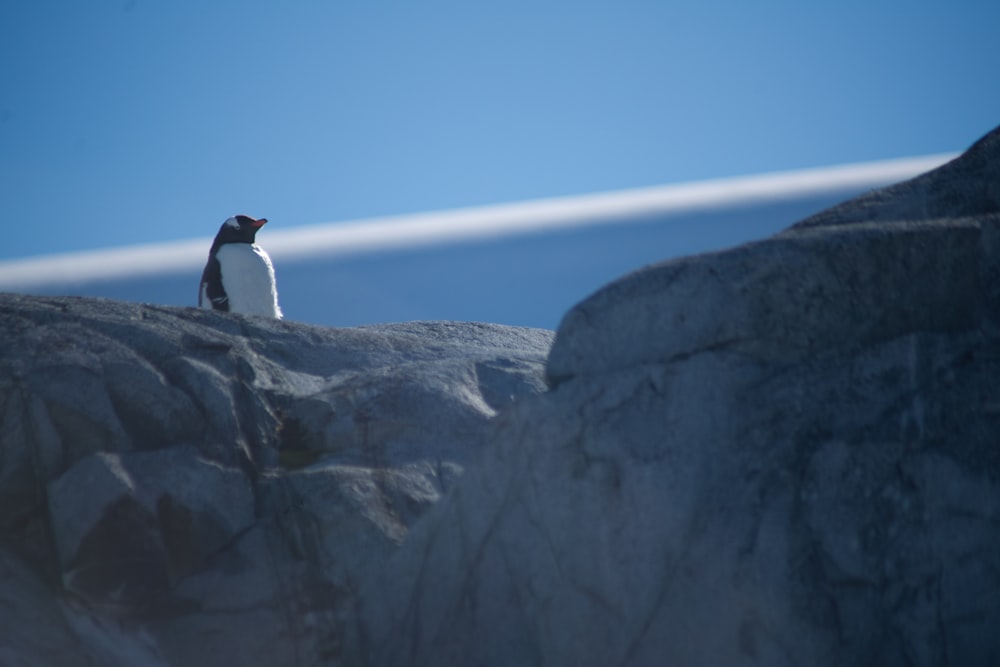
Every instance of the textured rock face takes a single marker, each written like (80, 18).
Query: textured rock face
(186, 488)
(967, 187)
(905, 258)
(782, 454)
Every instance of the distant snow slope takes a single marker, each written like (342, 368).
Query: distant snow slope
(523, 263)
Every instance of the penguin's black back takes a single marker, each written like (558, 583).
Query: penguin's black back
(211, 284)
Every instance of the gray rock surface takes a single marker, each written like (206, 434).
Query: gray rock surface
(907, 257)
(787, 453)
(179, 487)
(966, 187)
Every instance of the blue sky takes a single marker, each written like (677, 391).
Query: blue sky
(134, 121)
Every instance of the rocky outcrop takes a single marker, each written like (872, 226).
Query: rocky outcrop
(905, 258)
(781, 454)
(186, 488)
(963, 188)
(785, 453)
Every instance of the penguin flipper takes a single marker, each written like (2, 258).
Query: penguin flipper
(211, 287)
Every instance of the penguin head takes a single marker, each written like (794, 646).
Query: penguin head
(239, 229)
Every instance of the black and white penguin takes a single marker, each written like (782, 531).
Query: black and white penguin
(239, 277)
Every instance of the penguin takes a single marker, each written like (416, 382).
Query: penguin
(239, 276)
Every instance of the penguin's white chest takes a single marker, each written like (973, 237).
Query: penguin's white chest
(248, 278)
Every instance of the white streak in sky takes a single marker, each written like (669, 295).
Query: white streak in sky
(467, 224)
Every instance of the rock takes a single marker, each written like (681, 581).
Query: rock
(187, 488)
(794, 293)
(966, 187)
(128, 527)
(784, 299)
(784, 453)
(780, 454)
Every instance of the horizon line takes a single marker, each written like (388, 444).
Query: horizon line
(469, 224)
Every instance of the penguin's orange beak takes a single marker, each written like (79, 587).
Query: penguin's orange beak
(259, 223)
